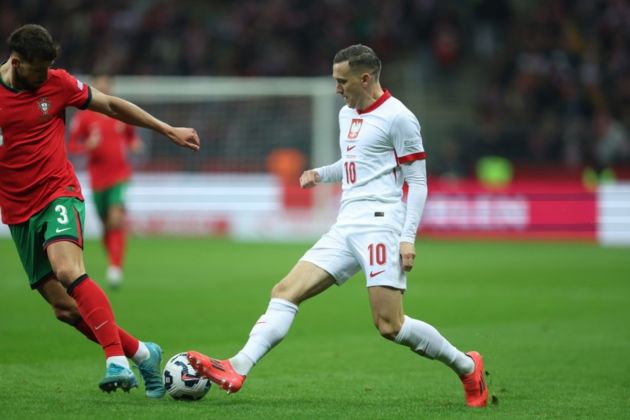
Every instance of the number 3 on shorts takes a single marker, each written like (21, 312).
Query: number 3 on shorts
(63, 214)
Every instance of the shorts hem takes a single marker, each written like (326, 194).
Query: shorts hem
(62, 239)
(337, 282)
(391, 285)
(42, 280)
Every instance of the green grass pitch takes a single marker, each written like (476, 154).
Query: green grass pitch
(551, 319)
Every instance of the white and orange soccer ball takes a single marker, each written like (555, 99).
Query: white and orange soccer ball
(182, 381)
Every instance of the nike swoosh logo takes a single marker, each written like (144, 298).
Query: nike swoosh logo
(373, 274)
(186, 377)
(61, 230)
(100, 325)
(348, 148)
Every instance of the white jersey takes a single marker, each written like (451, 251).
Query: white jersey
(373, 143)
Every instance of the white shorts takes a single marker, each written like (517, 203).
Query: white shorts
(344, 249)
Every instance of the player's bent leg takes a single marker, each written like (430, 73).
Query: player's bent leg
(218, 371)
(474, 383)
(387, 310)
(63, 306)
(151, 372)
(304, 281)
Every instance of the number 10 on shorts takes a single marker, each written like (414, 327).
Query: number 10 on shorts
(378, 254)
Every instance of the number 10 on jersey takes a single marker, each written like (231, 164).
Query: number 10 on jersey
(351, 172)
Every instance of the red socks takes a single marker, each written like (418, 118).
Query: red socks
(97, 313)
(129, 343)
(115, 240)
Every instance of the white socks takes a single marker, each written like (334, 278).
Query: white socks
(274, 325)
(142, 353)
(428, 342)
(268, 331)
(119, 360)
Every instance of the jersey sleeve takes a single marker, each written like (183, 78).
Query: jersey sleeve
(407, 139)
(78, 94)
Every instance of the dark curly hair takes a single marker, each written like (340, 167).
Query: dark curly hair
(33, 42)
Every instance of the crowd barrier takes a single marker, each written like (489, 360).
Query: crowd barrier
(260, 207)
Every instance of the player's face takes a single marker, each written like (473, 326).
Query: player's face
(349, 84)
(30, 75)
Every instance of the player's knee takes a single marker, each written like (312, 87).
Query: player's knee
(280, 291)
(115, 218)
(387, 329)
(67, 273)
(67, 313)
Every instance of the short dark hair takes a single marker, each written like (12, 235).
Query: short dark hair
(360, 57)
(33, 42)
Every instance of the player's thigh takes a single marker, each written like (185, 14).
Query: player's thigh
(386, 304)
(28, 238)
(304, 281)
(333, 255)
(100, 200)
(63, 238)
(378, 253)
(66, 259)
(115, 205)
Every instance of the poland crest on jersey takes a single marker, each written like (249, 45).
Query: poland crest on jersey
(44, 105)
(355, 127)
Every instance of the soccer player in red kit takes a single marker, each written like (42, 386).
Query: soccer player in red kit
(41, 198)
(106, 142)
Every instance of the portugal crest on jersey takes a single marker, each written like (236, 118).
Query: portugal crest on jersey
(44, 105)
(355, 127)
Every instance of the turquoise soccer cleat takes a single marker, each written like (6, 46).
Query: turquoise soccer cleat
(117, 376)
(152, 373)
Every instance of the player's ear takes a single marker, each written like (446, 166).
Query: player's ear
(15, 61)
(365, 79)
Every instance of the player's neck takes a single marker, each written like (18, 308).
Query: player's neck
(372, 96)
(8, 79)
(5, 73)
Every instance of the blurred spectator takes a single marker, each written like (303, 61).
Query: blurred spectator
(546, 70)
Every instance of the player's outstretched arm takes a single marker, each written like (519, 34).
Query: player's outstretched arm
(130, 113)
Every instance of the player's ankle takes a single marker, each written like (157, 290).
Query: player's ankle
(241, 364)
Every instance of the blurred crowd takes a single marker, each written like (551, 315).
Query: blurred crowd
(557, 87)
(553, 77)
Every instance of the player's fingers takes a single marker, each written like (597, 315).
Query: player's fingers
(408, 262)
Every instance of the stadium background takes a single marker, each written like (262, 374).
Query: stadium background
(542, 84)
(525, 107)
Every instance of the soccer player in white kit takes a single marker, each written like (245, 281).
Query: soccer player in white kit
(381, 147)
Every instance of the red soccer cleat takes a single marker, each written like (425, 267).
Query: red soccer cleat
(475, 383)
(220, 372)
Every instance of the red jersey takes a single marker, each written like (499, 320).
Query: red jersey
(107, 162)
(34, 168)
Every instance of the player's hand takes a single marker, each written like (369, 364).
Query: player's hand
(309, 179)
(407, 255)
(185, 137)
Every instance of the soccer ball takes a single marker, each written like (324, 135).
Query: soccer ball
(181, 380)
